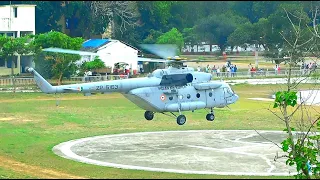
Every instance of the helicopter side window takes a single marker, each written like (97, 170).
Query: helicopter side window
(198, 95)
(210, 94)
(188, 96)
(170, 98)
(229, 90)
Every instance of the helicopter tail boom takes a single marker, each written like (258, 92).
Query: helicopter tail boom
(44, 85)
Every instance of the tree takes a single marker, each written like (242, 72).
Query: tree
(60, 65)
(190, 37)
(242, 35)
(11, 47)
(152, 37)
(301, 151)
(217, 28)
(119, 13)
(172, 37)
(95, 64)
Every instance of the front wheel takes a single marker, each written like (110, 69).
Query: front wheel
(210, 117)
(148, 115)
(181, 119)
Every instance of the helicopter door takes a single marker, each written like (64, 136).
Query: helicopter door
(210, 97)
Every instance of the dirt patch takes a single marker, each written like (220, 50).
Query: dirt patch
(7, 119)
(36, 171)
(60, 99)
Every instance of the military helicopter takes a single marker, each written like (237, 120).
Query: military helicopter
(175, 89)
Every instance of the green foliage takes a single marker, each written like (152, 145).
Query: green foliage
(95, 64)
(152, 37)
(243, 34)
(305, 152)
(217, 28)
(305, 155)
(172, 37)
(10, 46)
(62, 65)
(285, 98)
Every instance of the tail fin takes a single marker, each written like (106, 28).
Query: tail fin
(41, 82)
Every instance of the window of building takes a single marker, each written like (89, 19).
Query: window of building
(9, 62)
(15, 11)
(10, 34)
(2, 63)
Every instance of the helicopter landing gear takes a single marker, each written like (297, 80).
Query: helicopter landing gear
(148, 115)
(181, 119)
(210, 116)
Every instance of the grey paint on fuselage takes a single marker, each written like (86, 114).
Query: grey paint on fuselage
(186, 98)
(148, 94)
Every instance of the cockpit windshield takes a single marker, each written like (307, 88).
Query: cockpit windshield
(158, 73)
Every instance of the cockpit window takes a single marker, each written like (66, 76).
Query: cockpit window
(157, 73)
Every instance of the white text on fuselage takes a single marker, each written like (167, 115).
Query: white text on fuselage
(172, 87)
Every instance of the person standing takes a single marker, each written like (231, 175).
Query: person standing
(218, 71)
(235, 70)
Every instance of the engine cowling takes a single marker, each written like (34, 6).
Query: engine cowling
(176, 79)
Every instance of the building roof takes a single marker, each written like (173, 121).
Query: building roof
(93, 44)
(33, 5)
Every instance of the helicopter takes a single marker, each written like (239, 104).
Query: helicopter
(175, 89)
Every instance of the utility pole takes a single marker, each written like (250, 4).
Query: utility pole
(256, 56)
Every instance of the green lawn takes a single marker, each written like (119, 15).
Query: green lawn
(31, 125)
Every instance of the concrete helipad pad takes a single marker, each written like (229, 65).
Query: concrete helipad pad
(224, 152)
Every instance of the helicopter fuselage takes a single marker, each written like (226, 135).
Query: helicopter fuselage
(165, 90)
(182, 98)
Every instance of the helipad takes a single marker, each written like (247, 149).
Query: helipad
(223, 152)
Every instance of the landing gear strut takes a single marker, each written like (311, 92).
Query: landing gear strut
(148, 115)
(210, 116)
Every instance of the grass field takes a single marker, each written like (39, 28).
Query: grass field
(31, 125)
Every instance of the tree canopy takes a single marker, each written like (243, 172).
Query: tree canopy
(59, 65)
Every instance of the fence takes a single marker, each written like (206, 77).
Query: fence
(248, 74)
(30, 80)
(237, 75)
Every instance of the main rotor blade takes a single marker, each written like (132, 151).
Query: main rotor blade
(69, 51)
(161, 50)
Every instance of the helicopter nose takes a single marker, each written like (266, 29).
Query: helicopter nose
(235, 97)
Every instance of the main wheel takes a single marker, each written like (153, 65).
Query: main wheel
(210, 117)
(181, 119)
(148, 115)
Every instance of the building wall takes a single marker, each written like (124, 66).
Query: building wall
(25, 20)
(22, 24)
(118, 52)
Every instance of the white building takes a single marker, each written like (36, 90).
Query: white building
(17, 21)
(111, 52)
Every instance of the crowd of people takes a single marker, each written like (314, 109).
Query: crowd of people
(227, 70)
(305, 67)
